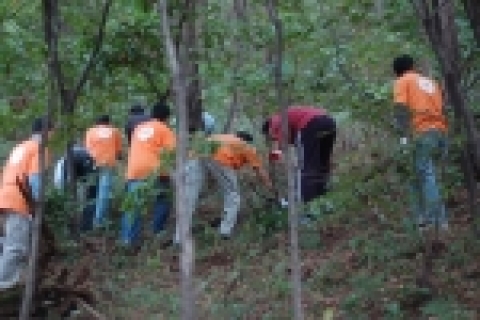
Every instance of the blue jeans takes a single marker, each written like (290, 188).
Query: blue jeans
(426, 199)
(131, 221)
(102, 204)
(88, 214)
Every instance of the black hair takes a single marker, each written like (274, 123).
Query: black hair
(245, 136)
(103, 119)
(402, 64)
(160, 111)
(136, 108)
(266, 126)
(41, 123)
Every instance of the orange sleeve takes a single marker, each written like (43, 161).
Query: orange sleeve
(33, 158)
(400, 91)
(167, 138)
(88, 139)
(438, 97)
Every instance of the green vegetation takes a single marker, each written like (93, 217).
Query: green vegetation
(360, 258)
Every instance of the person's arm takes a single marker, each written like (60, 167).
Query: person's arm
(263, 175)
(402, 119)
(168, 139)
(250, 156)
(401, 111)
(275, 145)
(118, 144)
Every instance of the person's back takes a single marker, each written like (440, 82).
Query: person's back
(424, 99)
(104, 142)
(234, 152)
(22, 163)
(148, 140)
(297, 117)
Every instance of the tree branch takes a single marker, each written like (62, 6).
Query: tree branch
(50, 14)
(93, 60)
(151, 82)
(89, 309)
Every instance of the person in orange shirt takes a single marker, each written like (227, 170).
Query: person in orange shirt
(149, 140)
(104, 144)
(419, 116)
(233, 152)
(22, 167)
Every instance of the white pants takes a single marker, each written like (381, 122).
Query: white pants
(15, 248)
(226, 180)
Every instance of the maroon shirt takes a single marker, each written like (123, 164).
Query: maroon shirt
(298, 117)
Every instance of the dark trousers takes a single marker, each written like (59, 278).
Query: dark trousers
(88, 213)
(317, 139)
(132, 221)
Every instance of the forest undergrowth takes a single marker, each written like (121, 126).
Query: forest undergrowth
(361, 259)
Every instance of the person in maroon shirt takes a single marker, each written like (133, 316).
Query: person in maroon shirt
(313, 131)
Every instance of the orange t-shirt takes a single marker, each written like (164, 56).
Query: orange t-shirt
(424, 99)
(22, 162)
(103, 143)
(148, 140)
(234, 153)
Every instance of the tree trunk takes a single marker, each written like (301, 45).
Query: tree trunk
(439, 22)
(38, 207)
(188, 37)
(178, 59)
(291, 162)
(438, 19)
